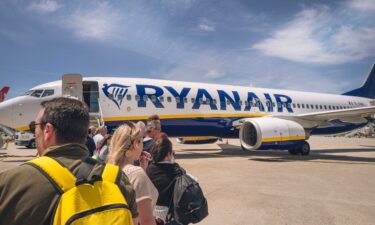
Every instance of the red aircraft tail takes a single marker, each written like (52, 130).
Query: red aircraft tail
(3, 92)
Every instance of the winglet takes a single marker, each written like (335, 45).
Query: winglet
(368, 88)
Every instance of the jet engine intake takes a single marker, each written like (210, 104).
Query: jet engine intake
(273, 133)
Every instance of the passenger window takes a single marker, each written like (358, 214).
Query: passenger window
(307, 106)
(177, 100)
(48, 92)
(185, 100)
(273, 104)
(303, 106)
(298, 106)
(200, 100)
(161, 98)
(128, 97)
(240, 102)
(321, 107)
(316, 106)
(145, 98)
(192, 100)
(329, 107)
(37, 93)
(207, 101)
(169, 99)
(294, 105)
(214, 101)
(279, 105)
(228, 102)
(246, 103)
(137, 98)
(153, 98)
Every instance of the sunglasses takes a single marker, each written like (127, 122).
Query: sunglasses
(32, 125)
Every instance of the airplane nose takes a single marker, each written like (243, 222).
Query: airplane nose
(6, 116)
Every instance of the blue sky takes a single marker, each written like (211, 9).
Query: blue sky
(310, 45)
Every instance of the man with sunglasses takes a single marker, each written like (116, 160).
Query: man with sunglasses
(27, 196)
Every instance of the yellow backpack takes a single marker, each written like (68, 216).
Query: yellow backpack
(98, 201)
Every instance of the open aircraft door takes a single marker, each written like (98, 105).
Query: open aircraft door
(72, 86)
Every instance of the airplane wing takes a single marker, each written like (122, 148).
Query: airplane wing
(328, 118)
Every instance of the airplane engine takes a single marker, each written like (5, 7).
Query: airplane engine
(273, 133)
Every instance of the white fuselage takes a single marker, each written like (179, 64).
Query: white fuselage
(186, 108)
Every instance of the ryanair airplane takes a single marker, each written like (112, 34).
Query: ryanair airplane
(261, 118)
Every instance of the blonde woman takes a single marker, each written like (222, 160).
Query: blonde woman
(126, 147)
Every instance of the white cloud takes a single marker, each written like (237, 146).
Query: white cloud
(213, 74)
(206, 25)
(321, 35)
(98, 23)
(44, 6)
(362, 5)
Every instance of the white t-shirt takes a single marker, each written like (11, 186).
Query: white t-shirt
(142, 185)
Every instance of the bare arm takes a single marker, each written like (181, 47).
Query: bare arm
(146, 214)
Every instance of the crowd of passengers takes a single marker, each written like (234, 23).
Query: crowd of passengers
(145, 154)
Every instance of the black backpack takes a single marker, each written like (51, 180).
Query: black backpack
(188, 204)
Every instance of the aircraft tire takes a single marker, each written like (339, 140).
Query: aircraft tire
(305, 148)
(293, 151)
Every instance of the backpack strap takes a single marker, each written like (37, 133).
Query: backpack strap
(111, 173)
(171, 203)
(55, 172)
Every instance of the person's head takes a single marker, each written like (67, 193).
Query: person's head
(92, 131)
(155, 121)
(126, 145)
(153, 128)
(105, 141)
(162, 149)
(60, 121)
(141, 125)
(153, 117)
(103, 130)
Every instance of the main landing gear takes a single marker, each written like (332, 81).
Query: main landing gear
(303, 149)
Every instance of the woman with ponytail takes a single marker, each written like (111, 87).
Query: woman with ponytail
(126, 147)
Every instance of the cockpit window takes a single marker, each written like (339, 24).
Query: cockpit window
(48, 92)
(28, 92)
(37, 93)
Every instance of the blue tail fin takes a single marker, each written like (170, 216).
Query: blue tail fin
(368, 88)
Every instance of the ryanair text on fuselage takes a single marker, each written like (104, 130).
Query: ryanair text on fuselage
(117, 92)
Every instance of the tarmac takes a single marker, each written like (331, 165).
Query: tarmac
(333, 185)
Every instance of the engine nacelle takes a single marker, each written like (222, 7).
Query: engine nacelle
(271, 133)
